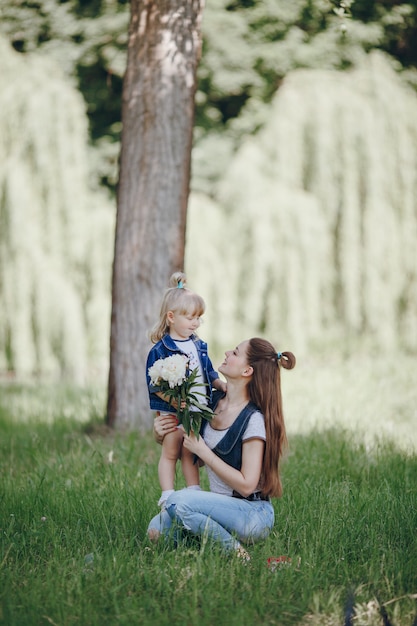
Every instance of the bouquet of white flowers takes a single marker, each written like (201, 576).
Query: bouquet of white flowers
(174, 379)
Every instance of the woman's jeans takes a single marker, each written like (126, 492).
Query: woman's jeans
(221, 518)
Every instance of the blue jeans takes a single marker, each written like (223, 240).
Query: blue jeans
(223, 519)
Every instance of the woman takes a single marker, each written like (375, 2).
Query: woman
(241, 449)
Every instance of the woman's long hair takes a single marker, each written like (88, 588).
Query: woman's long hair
(264, 390)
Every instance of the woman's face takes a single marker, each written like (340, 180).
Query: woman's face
(235, 362)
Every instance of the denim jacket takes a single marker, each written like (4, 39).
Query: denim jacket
(229, 448)
(167, 347)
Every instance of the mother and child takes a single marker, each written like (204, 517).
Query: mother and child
(240, 447)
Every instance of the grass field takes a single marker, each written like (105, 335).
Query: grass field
(76, 500)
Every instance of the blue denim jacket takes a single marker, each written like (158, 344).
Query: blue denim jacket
(167, 347)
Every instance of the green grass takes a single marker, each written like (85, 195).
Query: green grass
(75, 500)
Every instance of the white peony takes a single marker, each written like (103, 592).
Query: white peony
(172, 370)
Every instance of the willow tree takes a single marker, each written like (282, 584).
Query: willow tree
(315, 219)
(157, 114)
(55, 231)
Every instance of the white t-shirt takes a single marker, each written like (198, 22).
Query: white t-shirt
(189, 348)
(255, 429)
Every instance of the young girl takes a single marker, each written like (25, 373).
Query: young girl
(175, 333)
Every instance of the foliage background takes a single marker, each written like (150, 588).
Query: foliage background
(304, 171)
(249, 47)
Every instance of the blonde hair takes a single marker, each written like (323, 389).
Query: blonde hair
(179, 299)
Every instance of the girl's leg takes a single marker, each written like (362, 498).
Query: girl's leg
(222, 518)
(171, 450)
(189, 468)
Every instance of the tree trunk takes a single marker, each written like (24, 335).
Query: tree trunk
(158, 115)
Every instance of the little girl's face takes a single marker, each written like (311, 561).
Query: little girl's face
(182, 326)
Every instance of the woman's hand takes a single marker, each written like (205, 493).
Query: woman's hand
(163, 425)
(245, 480)
(197, 446)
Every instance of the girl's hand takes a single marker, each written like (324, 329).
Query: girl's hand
(174, 403)
(163, 425)
(220, 385)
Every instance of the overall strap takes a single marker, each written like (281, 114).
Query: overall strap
(236, 430)
(229, 447)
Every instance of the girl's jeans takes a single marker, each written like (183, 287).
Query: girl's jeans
(221, 518)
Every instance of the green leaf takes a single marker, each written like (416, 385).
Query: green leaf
(203, 408)
(196, 424)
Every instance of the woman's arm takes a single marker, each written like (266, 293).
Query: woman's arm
(245, 480)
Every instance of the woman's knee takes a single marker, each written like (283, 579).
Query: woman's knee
(159, 525)
(153, 534)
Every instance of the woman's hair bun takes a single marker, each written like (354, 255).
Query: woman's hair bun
(287, 360)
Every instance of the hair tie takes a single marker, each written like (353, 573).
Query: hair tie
(279, 355)
(180, 285)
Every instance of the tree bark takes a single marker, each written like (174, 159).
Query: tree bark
(158, 115)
